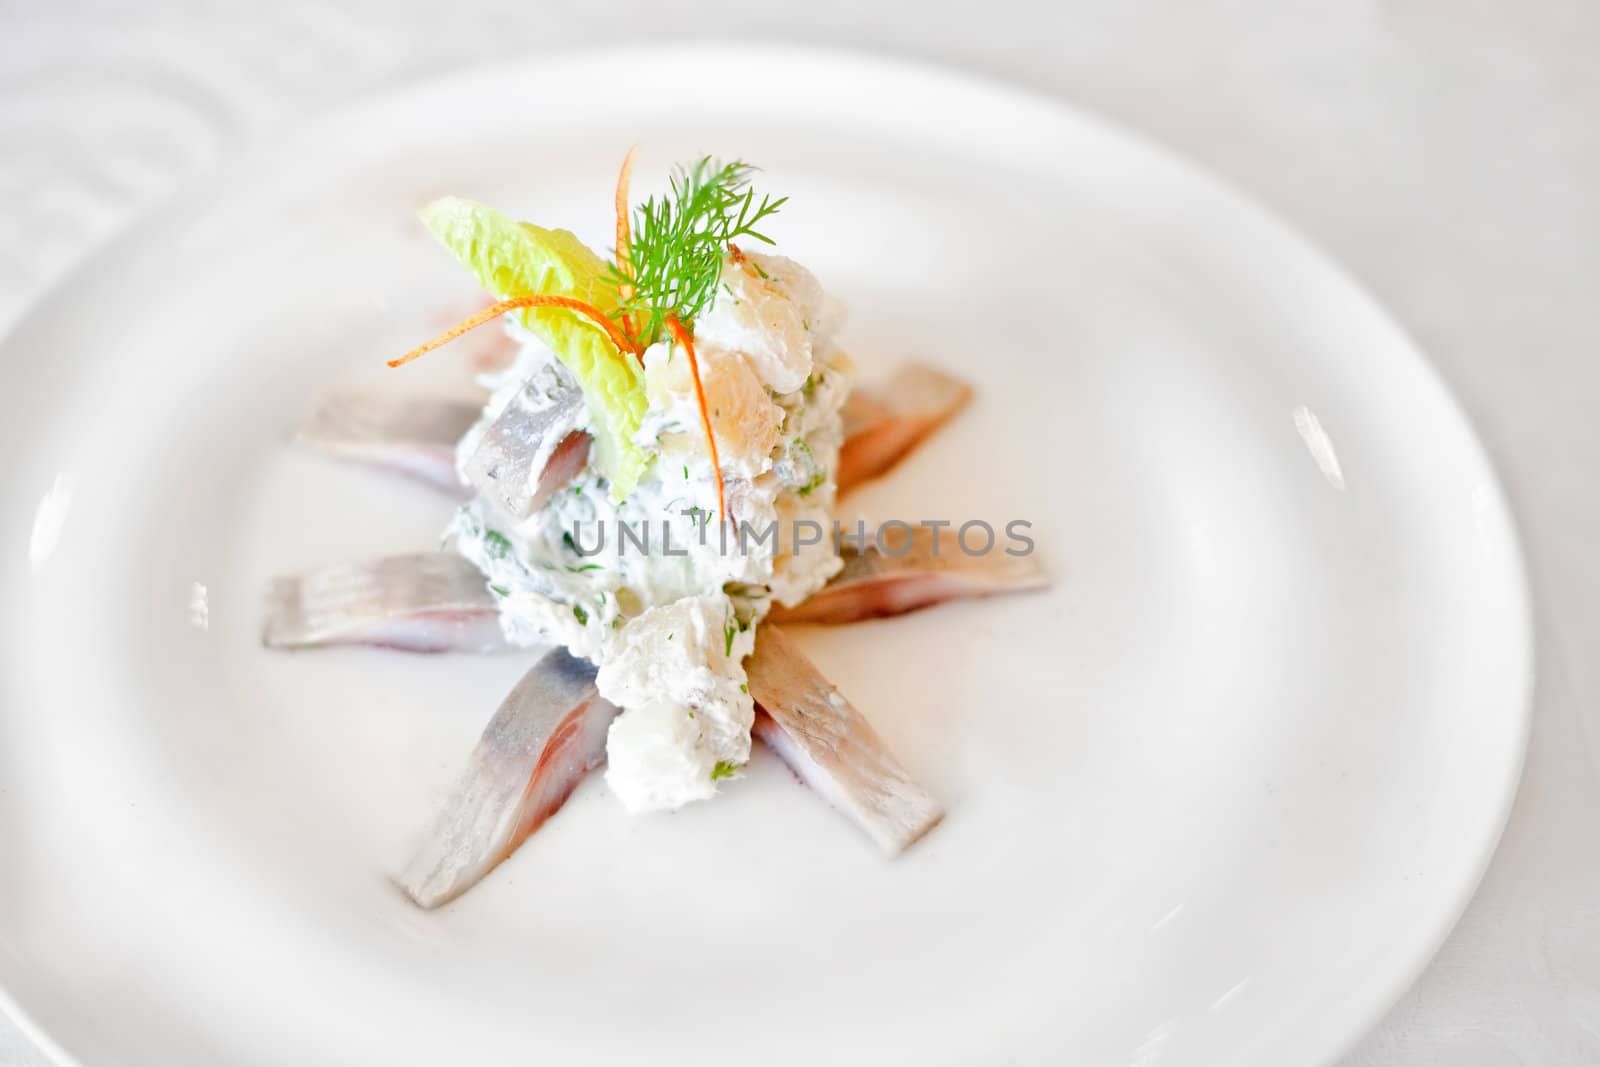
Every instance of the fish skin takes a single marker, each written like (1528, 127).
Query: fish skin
(532, 448)
(874, 584)
(548, 733)
(882, 426)
(411, 435)
(419, 602)
(832, 748)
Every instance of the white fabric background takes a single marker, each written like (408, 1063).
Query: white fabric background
(1448, 152)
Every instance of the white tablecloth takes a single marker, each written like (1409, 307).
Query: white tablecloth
(1447, 151)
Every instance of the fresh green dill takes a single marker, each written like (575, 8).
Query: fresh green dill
(581, 615)
(680, 240)
(566, 539)
(685, 472)
(816, 481)
(499, 590)
(743, 688)
(736, 300)
(725, 769)
(496, 544)
(585, 567)
(764, 275)
(729, 631)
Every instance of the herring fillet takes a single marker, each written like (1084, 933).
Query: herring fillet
(411, 435)
(884, 425)
(419, 602)
(531, 449)
(874, 583)
(834, 750)
(548, 733)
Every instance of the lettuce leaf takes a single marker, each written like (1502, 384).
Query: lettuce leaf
(512, 258)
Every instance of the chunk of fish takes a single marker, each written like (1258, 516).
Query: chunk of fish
(421, 602)
(532, 448)
(549, 733)
(884, 425)
(832, 748)
(908, 574)
(414, 436)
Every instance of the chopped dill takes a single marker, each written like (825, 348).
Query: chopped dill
(724, 769)
(499, 590)
(496, 544)
(581, 615)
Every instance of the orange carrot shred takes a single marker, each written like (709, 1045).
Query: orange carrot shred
(624, 238)
(681, 335)
(494, 311)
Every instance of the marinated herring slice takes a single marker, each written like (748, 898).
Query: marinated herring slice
(882, 426)
(549, 733)
(931, 569)
(533, 447)
(411, 435)
(419, 602)
(832, 748)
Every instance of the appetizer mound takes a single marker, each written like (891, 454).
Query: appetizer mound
(716, 422)
(655, 588)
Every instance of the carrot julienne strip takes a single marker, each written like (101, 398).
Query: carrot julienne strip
(493, 311)
(624, 238)
(681, 335)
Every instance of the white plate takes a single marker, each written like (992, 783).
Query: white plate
(1215, 799)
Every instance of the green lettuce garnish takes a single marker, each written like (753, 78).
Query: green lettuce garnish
(512, 258)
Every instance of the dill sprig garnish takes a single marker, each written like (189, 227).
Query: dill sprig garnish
(679, 242)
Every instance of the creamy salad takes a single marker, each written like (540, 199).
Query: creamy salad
(652, 585)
